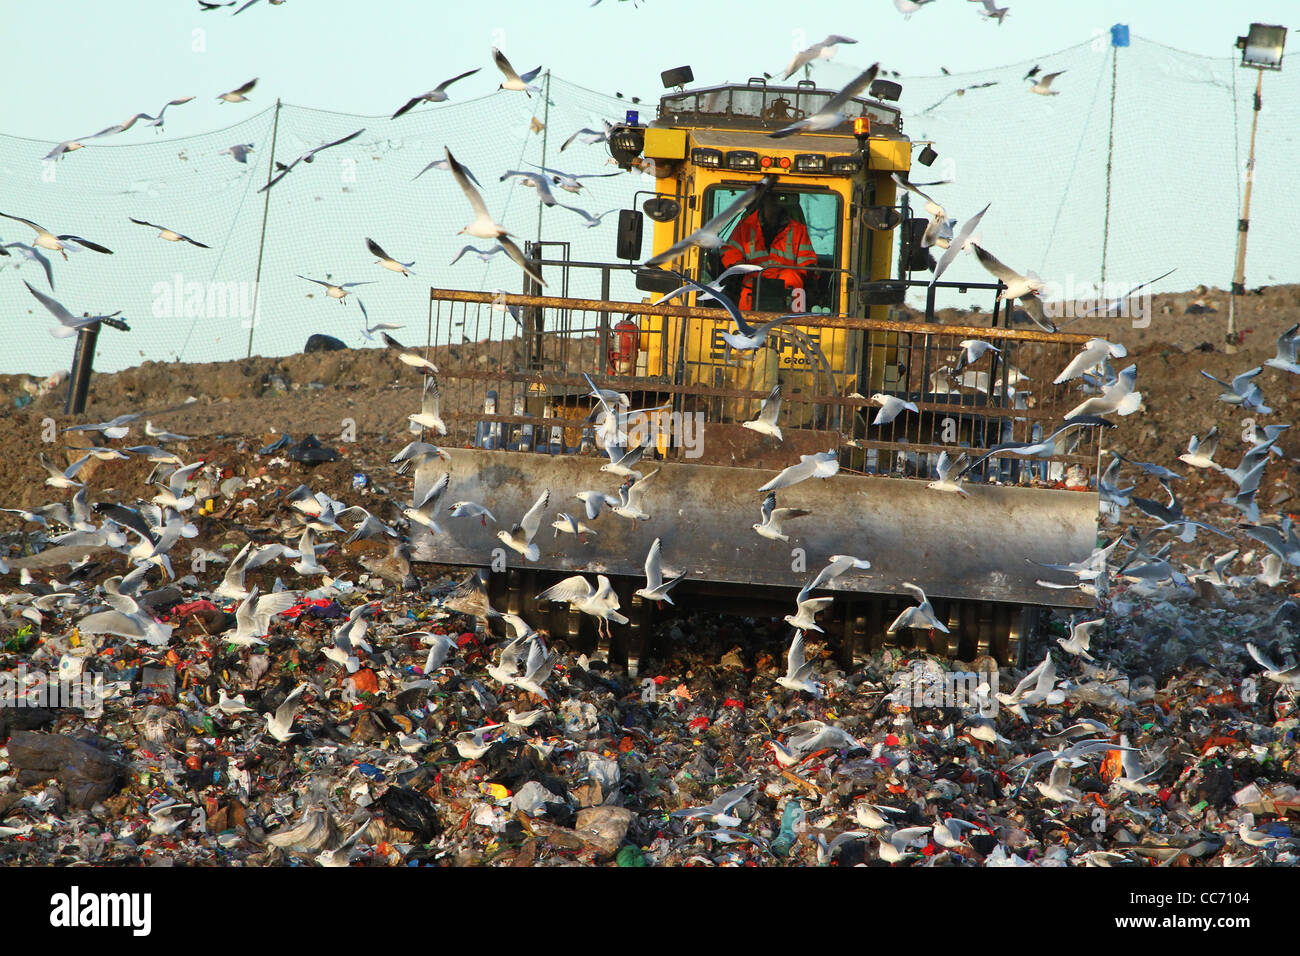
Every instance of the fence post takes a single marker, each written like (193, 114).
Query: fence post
(82, 361)
(261, 241)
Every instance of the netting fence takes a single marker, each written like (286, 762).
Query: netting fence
(1176, 158)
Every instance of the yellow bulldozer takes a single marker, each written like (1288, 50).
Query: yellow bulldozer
(525, 418)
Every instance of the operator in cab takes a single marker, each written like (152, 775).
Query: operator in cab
(772, 238)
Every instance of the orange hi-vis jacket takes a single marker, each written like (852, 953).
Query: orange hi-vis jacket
(787, 259)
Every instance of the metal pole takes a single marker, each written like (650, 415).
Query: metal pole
(261, 242)
(1110, 152)
(1243, 226)
(546, 130)
(79, 378)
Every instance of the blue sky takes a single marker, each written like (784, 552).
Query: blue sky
(114, 59)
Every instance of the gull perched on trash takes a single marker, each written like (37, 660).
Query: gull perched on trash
(599, 602)
(920, 617)
(719, 810)
(891, 406)
(514, 81)
(835, 110)
(308, 157)
(774, 517)
(388, 262)
(820, 465)
(807, 608)
(280, 726)
(61, 244)
(239, 94)
(520, 537)
(708, 236)
(630, 495)
(950, 473)
(818, 51)
(253, 616)
(1242, 391)
(232, 706)
(1080, 636)
(656, 588)
(436, 95)
(798, 672)
(339, 290)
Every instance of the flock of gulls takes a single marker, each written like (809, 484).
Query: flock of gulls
(144, 535)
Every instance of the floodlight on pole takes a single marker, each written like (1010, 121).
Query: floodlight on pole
(1261, 50)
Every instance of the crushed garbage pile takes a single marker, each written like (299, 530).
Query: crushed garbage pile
(384, 717)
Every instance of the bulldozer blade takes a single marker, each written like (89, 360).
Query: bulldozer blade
(976, 548)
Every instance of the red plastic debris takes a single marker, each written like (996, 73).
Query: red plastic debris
(891, 740)
(699, 723)
(732, 702)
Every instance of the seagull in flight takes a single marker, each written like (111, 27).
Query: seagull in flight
(387, 261)
(589, 136)
(1242, 391)
(765, 423)
(1287, 344)
(32, 254)
(571, 182)
(436, 95)
(60, 244)
(656, 588)
(169, 234)
(600, 602)
(308, 157)
(798, 671)
(834, 113)
(520, 537)
(513, 80)
(821, 465)
(68, 323)
(239, 152)
(1044, 85)
(238, 95)
(708, 235)
(819, 51)
(538, 180)
(921, 616)
(338, 291)
(807, 608)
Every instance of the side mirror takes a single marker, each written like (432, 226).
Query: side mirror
(887, 292)
(656, 280)
(886, 90)
(630, 223)
(915, 257)
(662, 208)
(880, 218)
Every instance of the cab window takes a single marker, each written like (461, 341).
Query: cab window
(815, 211)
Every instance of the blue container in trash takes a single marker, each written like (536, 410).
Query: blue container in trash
(487, 434)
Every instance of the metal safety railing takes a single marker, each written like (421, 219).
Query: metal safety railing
(511, 373)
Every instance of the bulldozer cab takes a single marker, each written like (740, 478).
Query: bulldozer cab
(523, 416)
